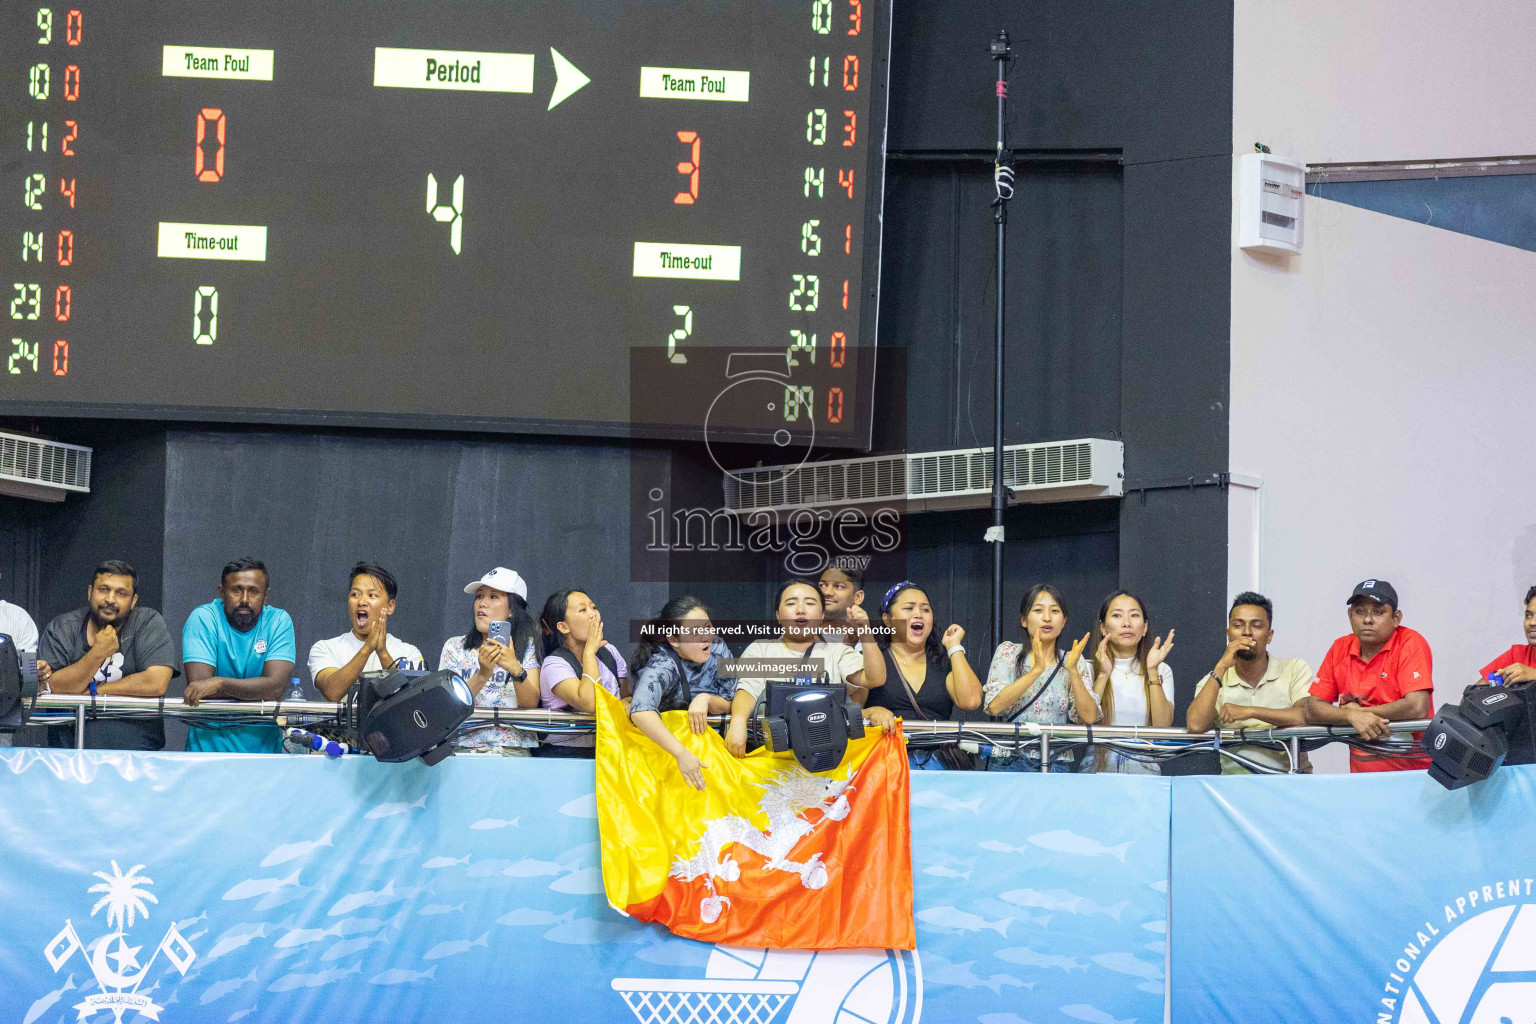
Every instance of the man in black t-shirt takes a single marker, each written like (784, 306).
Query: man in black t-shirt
(111, 647)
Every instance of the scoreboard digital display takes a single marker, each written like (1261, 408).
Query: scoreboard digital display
(451, 214)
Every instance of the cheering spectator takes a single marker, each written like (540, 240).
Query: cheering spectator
(577, 658)
(926, 678)
(1037, 681)
(1125, 660)
(336, 664)
(677, 669)
(1380, 673)
(111, 647)
(1518, 664)
(842, 588)
(500, 675)
(798, 610)
(237, 647)
(1251, 689)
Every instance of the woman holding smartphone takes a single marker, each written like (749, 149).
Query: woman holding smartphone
(498, 660)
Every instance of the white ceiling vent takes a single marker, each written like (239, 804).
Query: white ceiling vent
(930, 481)
(42, 470)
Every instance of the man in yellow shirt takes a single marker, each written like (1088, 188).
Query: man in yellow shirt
(1250, 689)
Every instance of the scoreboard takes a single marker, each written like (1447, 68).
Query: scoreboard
(566, 217)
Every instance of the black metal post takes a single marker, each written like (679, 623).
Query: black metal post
(1002, 176)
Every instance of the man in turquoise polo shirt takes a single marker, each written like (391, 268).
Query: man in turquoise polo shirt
(237, 648)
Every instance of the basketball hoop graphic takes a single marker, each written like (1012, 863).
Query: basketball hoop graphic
(754, 986)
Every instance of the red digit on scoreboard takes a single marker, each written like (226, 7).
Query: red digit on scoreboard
(690, 168)
(850, 73)
(74, 28)
(60, 358)
(200, 158)
(72, 83)
(845, 179)
(61, 303)
(850, 129)
(847, 239)
(856, 15)
(73, 134)
(66, 248)
(67, 190)
(834, 405)
(845, 293)
(839, 349)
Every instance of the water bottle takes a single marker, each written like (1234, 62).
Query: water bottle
(296, 691)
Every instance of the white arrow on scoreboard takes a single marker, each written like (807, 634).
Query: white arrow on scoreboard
(471, 71)
(567, 79)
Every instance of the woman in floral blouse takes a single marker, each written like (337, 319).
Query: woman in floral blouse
(1036, 681)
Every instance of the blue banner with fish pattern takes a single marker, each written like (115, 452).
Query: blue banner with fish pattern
(210, 888)
(1378, 898)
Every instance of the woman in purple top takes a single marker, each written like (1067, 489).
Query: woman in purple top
(577, 659)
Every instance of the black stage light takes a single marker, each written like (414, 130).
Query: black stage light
(815, 722)
(18, 683)
(401, 715)
(1491, 726)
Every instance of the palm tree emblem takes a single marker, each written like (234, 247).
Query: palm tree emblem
(125, 895)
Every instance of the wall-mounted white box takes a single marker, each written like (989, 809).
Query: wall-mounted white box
(1271, 198)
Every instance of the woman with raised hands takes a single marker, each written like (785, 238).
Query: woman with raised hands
(1036, 681)
(1127, 659)
(676, 668)
(926, 677)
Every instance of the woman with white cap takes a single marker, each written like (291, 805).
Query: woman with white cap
(500, 675)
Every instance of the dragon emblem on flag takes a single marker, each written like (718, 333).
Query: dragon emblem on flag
(786, 795)
(125, 898)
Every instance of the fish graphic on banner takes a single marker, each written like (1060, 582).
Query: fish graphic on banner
(768, 855)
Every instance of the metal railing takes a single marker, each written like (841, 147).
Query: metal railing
(1023, 735)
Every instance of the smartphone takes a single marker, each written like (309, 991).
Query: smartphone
(501, 632)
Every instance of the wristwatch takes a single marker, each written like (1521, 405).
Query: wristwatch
(518, 678)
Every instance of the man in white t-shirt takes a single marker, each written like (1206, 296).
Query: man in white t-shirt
(18, 625)
(336, 664)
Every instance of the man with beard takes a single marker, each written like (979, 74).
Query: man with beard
(236, 647)
(1250, 689)
(111, 648)
(842, 589)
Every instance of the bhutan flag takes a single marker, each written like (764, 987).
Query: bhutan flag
(768, 855)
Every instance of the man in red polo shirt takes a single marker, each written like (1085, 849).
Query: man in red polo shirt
(1518, 664)
(1380, 673)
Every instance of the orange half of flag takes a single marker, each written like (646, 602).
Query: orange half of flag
(769, 855)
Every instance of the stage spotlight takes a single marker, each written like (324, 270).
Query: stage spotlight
(18, 682)
(814, 722)
(401, 715)
(1492, 725)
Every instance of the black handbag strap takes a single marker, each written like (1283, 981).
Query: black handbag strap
(604, 655)
(1060, 661)
(911, 693)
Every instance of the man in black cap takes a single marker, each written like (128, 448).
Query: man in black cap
(1380, 673)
